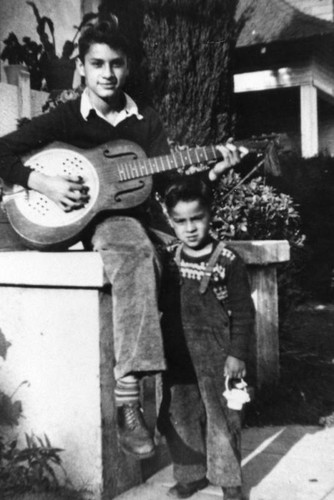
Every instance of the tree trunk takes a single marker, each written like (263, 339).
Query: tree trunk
(188, 47)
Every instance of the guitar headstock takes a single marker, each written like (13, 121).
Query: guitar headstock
(259, 144)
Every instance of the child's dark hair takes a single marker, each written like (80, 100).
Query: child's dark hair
(103, 32)
(188, 188)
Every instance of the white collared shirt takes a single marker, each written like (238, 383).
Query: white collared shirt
(114, 118)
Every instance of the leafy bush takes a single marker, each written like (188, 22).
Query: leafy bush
(30, 469)
(257, 211)
(254, 211)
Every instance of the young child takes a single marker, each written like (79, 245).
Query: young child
(207, 321)
(103, 113)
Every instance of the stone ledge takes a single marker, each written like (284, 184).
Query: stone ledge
(74, 269)
(262, 252)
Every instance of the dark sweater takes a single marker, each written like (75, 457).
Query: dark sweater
(66, 124)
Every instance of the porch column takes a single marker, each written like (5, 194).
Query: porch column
(309, 120)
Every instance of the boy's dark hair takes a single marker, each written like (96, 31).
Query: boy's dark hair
(102, 32)
(188, 188)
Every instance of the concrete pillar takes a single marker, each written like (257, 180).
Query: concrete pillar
(56, 359)
(24, 94)
(309, 121)
(261, 259)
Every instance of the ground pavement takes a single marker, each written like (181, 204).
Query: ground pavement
(279, 463)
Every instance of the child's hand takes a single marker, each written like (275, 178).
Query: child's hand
(234, 367)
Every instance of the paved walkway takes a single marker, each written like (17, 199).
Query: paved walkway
(279, 463)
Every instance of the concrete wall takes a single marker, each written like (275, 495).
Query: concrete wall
(52, 362)
(9, 105)
(9, 108)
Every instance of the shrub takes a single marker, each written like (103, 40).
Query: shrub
(30, 469)
(257, 211)
(254, 211)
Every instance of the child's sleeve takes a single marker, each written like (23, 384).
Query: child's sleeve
(241, 307)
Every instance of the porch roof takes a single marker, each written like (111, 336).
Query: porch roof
(277, 21)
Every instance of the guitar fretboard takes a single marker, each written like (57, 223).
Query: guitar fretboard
(132, 169)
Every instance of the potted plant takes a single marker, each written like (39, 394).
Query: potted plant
(48, 71)
(13, 53)
(57, 71)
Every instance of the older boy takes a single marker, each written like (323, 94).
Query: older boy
(104, 113)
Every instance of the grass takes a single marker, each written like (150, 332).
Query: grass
(305, 392)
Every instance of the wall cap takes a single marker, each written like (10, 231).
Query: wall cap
(262, 252)
(74, 269)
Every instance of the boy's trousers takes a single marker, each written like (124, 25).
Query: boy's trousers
(133, 268)
(202, 434)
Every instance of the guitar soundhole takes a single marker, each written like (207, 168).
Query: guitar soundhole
(128, 155)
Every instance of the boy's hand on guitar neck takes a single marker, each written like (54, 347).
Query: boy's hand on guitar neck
(68, 193)
(231, 156)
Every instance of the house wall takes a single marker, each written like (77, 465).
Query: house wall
(278, 111)
(326, 136)
(326, 126)
(324, 9)
(9, 105)
(267, 112)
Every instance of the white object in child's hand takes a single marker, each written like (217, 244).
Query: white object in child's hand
(237, 396)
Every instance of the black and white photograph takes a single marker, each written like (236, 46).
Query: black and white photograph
(167, 249)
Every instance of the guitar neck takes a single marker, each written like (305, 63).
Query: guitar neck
(133, 169)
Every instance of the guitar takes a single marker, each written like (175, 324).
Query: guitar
(118, 174)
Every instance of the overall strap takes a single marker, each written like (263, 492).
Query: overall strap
(177, 257)
(209, 268)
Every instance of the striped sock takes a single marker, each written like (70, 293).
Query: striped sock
(127, 390)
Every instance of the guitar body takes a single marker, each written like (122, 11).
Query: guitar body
(41, 224)
(118, 175)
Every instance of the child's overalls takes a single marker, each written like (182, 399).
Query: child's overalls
(202, 434)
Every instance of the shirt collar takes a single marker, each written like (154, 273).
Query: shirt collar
(117, 117)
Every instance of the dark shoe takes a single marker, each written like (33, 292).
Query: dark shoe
(134, 437)
(232, 493)
(186, 490)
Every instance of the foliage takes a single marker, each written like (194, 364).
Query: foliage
(183, 55)
(65, 95)
(40, 58)
(311, 183)
(10, 411)
(30, 469)
(256, 211)
(253, 211)
(13, 52)
(189, 47)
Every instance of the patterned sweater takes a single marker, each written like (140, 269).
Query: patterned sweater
(229, 282)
